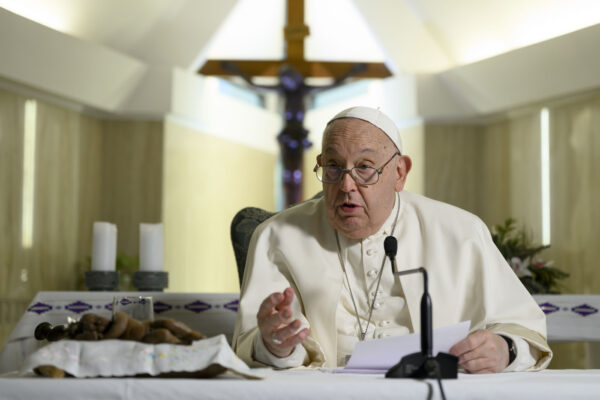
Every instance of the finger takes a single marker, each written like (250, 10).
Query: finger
(276, 320)
(268, 305)
(467, 344)
(486, 349)
(484, 357)
(288, 296)
(479, 365)
(468, 356)
(285, 316)
(287, 346)
(284, 333)
(298, 338)
(482, 350)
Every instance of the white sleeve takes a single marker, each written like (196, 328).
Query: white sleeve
(263, 355)
(524, 359)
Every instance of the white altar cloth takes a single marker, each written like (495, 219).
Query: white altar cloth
(313, 384)
(571, 317)
(208, 313)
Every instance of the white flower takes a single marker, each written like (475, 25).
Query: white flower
(520, 266)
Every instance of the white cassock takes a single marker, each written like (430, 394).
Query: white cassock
(468, 280)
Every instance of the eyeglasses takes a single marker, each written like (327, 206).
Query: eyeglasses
(362, 175)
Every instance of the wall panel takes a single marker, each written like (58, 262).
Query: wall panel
(495, 174)
(132, 161)
(452, 164)
(575, 192)
(66, 166)
(86, 170)
(207, 181)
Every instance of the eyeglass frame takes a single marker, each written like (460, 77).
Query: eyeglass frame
(345, 171)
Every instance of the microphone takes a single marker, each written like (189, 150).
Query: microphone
(422, 364)
(390, 245)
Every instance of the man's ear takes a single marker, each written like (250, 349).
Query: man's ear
(319, 160)
(402, 168)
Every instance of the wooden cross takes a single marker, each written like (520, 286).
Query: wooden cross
(292, 72)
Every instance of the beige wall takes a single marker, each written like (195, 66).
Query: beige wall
(132, 167)
(493, 170)
(310, 184)
(451, 154)
(86, 169)
(66, 202)
(207, 180)
(413, 145)
(575, 191)
(575, 207)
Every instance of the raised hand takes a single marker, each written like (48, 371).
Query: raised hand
(277, 325)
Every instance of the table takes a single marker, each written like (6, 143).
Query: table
(208, 313)
(311, 384)
(569, 317)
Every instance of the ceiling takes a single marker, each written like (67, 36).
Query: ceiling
(411, 35)
(451, 60)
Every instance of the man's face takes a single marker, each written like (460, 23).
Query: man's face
(358, 211)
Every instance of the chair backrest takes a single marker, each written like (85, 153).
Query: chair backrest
(242, 227)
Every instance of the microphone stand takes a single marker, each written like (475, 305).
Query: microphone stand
(423, 364)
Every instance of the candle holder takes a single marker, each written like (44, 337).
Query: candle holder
(107, 281)
(151, 281)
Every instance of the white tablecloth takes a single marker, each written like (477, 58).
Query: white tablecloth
(307, 384)
(571, 318)
(208, 313)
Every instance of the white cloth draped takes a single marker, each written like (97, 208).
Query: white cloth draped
(314, 384)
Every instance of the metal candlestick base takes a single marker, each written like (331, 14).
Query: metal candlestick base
(150, 281)
(107, 281)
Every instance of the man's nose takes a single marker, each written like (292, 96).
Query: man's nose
(347, 183)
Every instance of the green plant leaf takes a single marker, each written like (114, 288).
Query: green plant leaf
(513, 242)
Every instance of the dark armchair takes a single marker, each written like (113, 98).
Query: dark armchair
(242, 227)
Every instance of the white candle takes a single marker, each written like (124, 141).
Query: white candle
(151, 247)
(104, 247)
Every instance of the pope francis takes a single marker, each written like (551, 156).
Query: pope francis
(315, 283)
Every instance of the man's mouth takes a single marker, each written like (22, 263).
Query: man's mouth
(350, 207)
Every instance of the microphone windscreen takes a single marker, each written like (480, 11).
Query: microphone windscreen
(390, 244)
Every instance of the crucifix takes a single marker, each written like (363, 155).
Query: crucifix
(292, 72)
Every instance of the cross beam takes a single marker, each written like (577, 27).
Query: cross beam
(294, 138)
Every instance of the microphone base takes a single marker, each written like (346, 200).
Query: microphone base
(419, 366)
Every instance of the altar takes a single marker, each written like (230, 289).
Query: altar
(209, 313)
(569, 318)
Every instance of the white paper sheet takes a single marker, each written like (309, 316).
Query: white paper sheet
(379, 355)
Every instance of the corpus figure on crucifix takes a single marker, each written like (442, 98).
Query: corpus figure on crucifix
(293, 138)
(292, 73)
